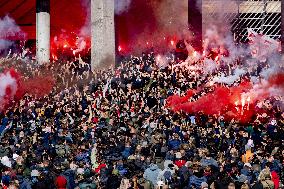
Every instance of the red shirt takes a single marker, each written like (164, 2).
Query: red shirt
(61, 182)
(97, 170)
(180, 163)
(275, 179)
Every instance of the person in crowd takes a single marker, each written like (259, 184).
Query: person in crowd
(113, 129)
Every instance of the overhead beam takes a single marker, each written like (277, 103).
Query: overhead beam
(24, 10)
(7, 7)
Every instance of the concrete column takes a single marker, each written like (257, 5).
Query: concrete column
(43, 31)
(103, 34)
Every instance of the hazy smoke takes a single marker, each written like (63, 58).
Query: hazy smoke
(231, 78)
(121, 6)
(209, 66)
(273, 86)
(4, 44)
(9, 31)
(86, 29)
(172, 17)
(8, 87)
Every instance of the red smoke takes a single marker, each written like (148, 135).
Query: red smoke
(221, 101)
(277, 80)
(13, 87)
(266, 88)
(176, 100)
(8, 86)
(38, 86)
(68, 44)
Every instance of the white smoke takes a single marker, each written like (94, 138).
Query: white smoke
(81, 45)
(162, 61)
(4, 44)
(264, 89)
(7, 81)
(9, 31)
(120, 7)
(262, 46)
(274, 66)
(238, 72)
(209, 66)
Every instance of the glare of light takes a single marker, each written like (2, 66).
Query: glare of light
(194, 53)
(216, 58)
(54, 57)
(172, 42)
(248, 99)
(164, 38)
(119, 48)
(243, 101)
(158, 58)
(237, 103)
(74, 52)
(65, 46)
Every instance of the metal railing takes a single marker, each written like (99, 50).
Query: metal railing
(263, 16)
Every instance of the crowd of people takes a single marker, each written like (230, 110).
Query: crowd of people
(113, 129)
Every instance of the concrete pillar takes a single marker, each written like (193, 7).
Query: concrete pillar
(42, 31)
(103, 34)
(282, 26)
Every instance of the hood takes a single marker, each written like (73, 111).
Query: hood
(199, 179)
(153, 167)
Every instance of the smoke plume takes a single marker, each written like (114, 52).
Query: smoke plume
(121, 6)
(9, 31)
(8, 86)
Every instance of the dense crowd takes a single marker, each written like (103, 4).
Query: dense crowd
(112, 129)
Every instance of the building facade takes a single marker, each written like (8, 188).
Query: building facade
(263, 16)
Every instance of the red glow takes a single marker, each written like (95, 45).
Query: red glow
(69, 43)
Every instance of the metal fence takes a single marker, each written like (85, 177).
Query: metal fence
(263, 16)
